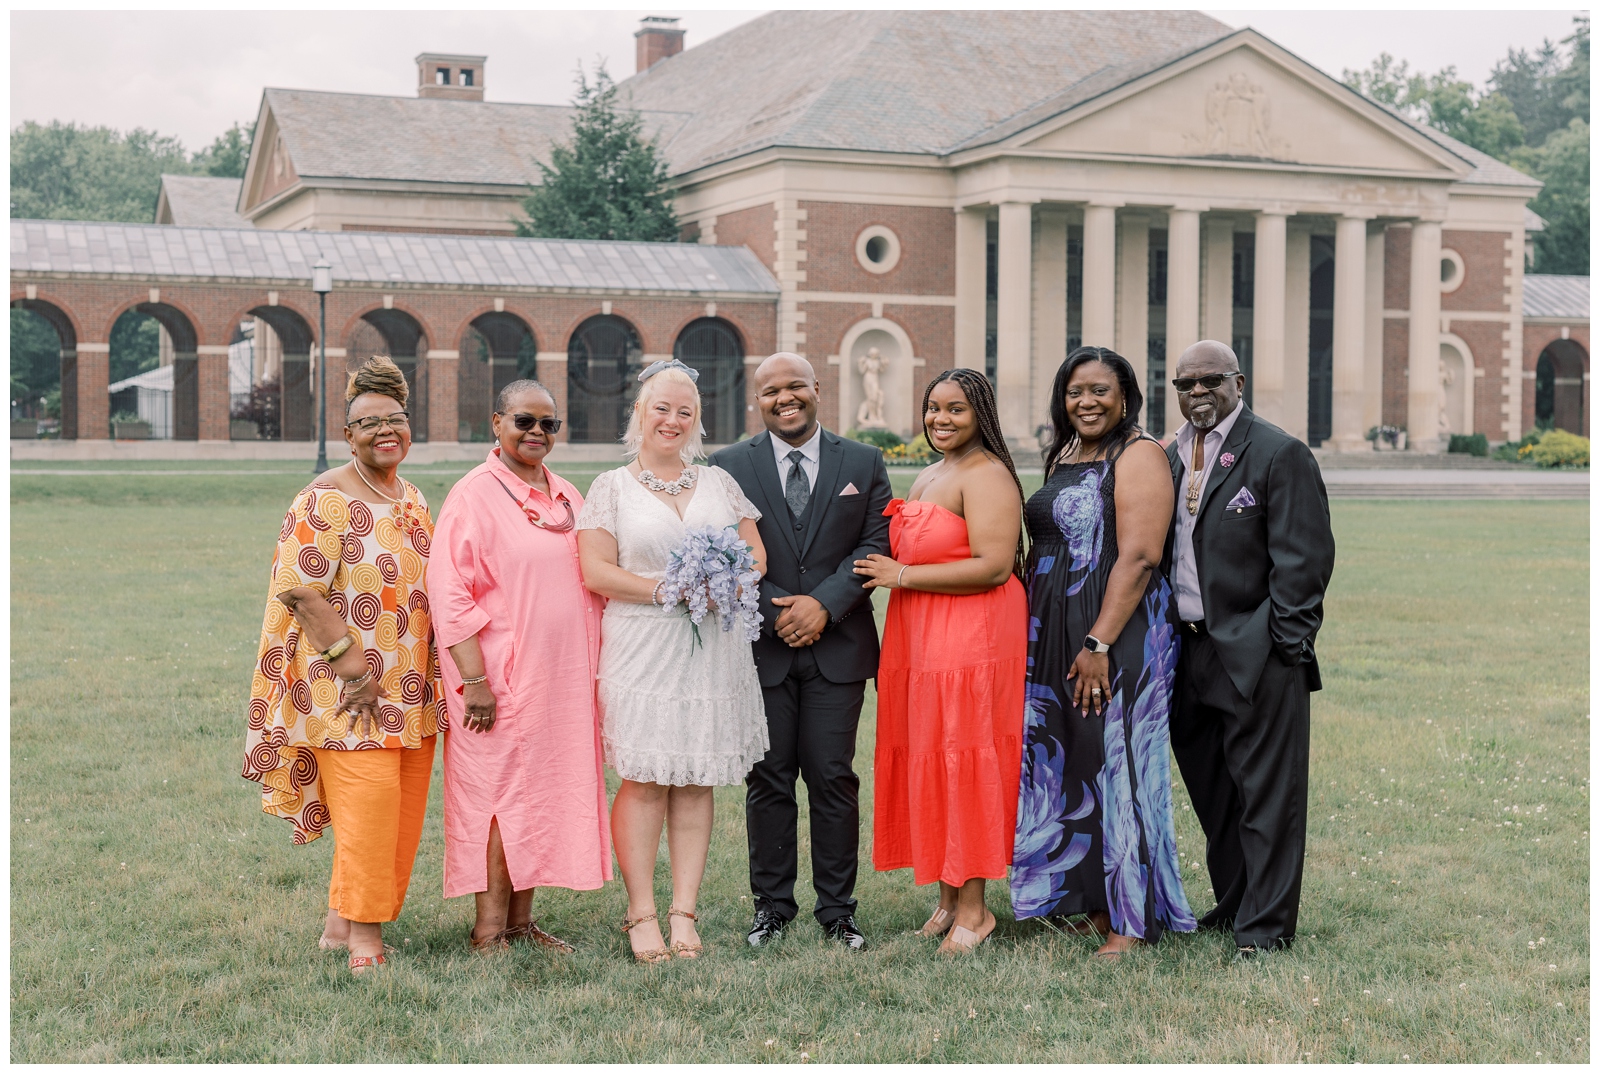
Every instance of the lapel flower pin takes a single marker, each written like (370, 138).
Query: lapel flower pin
(1226, 460)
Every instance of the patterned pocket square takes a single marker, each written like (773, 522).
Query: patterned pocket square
(850, 490)
(1242, 499)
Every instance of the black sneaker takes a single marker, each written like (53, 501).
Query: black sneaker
(843, 930)
(767, 926)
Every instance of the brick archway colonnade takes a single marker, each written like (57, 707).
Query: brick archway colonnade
(423, 298)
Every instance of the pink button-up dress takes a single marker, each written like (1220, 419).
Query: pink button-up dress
(517, 586)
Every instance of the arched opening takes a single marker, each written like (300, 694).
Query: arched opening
(154, 375)
(397, 334)
(1455, 389)
(270, 395)
(496, 349)
(1319, 377)
(44, 362)
(603, 357)
(1558, 388)
(712, 346)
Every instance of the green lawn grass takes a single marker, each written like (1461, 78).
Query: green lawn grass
(157, 914)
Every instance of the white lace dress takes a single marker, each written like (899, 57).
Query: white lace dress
(668, 714)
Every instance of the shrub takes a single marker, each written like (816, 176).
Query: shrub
(1511, 451)
(916, 453)
(1559, 449)
(1476, 444)
(882, 439)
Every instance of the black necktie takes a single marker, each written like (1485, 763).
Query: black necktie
(796, 490)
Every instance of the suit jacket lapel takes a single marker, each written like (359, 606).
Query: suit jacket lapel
(822, 495)
(1238, 439)
(765, 465)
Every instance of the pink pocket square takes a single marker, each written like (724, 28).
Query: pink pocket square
(850, 490)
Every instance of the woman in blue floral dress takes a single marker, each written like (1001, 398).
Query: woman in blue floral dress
(1094, 817)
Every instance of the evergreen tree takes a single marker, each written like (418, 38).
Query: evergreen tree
(609, 182)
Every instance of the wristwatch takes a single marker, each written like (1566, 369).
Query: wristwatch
(1095, 645)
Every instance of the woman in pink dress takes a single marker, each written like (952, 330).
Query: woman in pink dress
(524, 794)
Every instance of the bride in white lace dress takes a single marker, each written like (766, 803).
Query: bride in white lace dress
(677, 718)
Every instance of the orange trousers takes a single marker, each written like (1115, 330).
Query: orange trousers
(377, 799)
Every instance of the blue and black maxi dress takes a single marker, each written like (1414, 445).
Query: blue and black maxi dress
(1094, 816)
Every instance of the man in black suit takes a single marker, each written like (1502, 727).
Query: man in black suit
(822, 499)
(1249, 556)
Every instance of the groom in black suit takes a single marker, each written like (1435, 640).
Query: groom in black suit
(1249, 556)
(822, 499)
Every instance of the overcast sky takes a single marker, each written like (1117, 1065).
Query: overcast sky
(192, 73)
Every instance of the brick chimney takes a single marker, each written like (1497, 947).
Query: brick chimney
(450, 77)
(656, 39)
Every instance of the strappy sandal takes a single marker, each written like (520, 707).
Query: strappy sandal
(360, 964)
(938, 924)
(325, 944)
(962, 941)
(489, 944)
(660, 954)
(1081, 927)
(531, 933)
(680, 949)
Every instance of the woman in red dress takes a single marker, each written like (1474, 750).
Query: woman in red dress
(950, 680)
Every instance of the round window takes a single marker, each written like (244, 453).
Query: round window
(1452, 270)
(877, 249)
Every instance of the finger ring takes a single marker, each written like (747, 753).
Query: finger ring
(1095, 691)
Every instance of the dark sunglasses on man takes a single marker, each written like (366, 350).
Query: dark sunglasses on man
(524, 422)
(1211, 383)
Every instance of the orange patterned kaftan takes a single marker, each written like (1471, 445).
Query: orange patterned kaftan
(369, 561)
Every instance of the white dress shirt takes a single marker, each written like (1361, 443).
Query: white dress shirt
(810, 457)
(1185, 576)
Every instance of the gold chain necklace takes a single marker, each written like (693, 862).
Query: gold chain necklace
(401, 509)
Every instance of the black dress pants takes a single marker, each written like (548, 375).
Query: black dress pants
(811, 723)
(1245, 763)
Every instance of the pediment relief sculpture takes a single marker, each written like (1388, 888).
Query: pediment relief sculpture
(1238, 122)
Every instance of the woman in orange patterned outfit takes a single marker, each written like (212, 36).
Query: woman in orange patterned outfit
(346, 700)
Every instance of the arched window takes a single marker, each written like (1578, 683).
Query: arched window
(399, 335)
(498, 348)
(711, 346)
(603, 357)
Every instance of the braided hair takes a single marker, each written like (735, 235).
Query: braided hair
(980, 395)
(1063, 436)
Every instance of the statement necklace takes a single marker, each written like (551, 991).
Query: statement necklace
(684, 480)
(407, 514)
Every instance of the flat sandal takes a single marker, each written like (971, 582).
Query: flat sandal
(938, 924)
(531, 933)
(659, 955)
(489, 944)
(680, 949)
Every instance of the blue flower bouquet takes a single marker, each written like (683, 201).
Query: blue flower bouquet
(715, 566)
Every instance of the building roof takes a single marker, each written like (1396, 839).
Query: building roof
(199, 201)
(1555, 296)
(380, 259)
(416, 139)
(891, 81)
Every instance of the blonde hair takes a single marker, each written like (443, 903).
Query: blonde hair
(633, 436)
(378, 375)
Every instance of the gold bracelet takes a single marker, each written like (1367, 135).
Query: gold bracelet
(337, 649)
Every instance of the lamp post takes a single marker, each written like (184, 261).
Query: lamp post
(322, 283)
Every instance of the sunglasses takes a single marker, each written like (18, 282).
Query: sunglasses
(1211, 383)
(524, 422)
(367, 425)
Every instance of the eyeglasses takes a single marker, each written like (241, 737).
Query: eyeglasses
(524, 422)
(393, 421)
(1211, 383)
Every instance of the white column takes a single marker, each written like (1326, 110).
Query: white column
(1049, 311)
(1217, 316)
(972, 284)
(1183, 299)
(1349, 333)
(1014, 318)
(1297, 333)
(1133, 297)
(1099, 275)
(1372, 358)
(1422, 387)
(1271, 254)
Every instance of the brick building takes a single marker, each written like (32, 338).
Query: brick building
(990, 189)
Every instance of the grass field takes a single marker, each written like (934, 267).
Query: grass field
(157, 914)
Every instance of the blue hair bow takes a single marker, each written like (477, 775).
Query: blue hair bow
(667, 363)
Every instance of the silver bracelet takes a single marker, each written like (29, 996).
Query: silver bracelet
(899, 579)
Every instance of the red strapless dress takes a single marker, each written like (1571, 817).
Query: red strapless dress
(950, 708)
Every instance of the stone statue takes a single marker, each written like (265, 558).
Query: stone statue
(870, 414)
(1447, 377)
